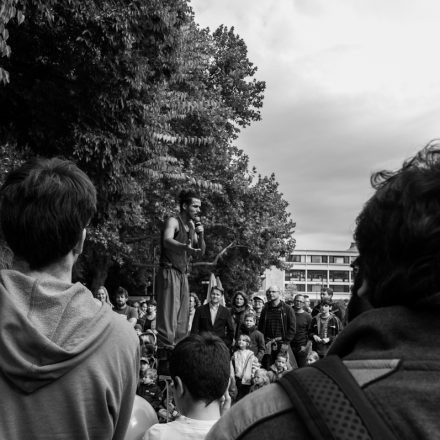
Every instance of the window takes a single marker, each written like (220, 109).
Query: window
(301, 287)
(336, 260)
(339, 276)
(298, 258)
(317, 276)
(325, 259)
(315, 288)
(339, 288)
(316, 258)
(295, 275)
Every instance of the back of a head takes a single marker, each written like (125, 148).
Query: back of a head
(398, 232)
(203, 364)
(45, 205)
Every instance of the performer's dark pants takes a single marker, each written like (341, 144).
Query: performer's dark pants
(172, 314)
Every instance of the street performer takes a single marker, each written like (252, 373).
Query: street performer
(182, 237)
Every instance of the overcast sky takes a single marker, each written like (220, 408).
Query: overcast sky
(353, 86)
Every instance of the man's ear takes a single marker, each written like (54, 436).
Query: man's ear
(77, 250)
(179, 388)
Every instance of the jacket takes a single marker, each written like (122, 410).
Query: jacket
(223, 325)
(392, 352)
(288, 321)
(257, 340)
(69, 364)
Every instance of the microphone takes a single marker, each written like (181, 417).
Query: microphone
(197, 222)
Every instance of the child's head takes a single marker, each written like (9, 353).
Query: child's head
(249, 320)
(144, 365)
(260, 377)
(243, 342)
(281, 361)
(201, 365)
(150, 376)
(312, 357)
(138, 329)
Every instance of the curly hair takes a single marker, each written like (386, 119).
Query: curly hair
(398, 231)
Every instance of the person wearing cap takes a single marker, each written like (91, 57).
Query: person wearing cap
(259, 301)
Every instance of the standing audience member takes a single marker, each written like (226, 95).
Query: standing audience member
(150, 317)
(199, 368)
(244, 364)
(182, 238)
(122, 308)
(257, 339)
(323, 329)
(391, 341)
(277, 323)
(300, 343)
(214, 318)
(239, 308)
(68, 368)
(327, 297)
(194, 302)
(259, 300)
(142, 313)
(312, 357)
(307, 307)
(102, 295)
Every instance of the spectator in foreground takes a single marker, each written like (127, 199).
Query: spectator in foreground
(68, 368)
(393, 342)
(199, 368)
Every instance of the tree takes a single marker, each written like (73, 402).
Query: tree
(146, 102)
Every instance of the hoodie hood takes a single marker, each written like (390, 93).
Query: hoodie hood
(47, 328)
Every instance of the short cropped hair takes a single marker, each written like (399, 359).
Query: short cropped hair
(328, 290)
(186, 197)
(121, 291)
(45, 205)
(398, 232)
(203, 364)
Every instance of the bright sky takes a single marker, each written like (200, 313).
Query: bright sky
(353, 86)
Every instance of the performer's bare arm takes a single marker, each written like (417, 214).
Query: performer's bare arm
(171, 227)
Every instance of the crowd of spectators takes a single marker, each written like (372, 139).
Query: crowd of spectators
(265, 334)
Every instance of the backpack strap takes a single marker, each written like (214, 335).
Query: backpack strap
(331, 403)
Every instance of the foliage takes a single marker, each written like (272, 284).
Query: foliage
(147, 103)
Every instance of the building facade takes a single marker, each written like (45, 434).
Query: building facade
(309, 270)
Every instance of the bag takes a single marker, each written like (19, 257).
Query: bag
(331, 403)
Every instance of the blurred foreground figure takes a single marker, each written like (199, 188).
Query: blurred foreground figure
(68, 368)
(390, 346)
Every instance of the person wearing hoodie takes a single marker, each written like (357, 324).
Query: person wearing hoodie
(68, 368)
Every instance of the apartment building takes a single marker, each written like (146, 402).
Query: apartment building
(310, 270)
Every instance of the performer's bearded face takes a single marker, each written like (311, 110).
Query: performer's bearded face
(193, 209)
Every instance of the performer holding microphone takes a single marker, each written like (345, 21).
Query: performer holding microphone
(182, 237)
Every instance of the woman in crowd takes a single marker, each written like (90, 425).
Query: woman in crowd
(194, 302)
(142, 313)
(240, 307)
(102, 295)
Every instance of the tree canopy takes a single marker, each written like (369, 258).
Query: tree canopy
(146, 102)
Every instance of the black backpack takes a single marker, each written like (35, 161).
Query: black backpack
(331, 403)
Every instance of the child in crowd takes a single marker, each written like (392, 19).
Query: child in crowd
(244, 364)
(260, 380)
(200, 368)
(312, 357)
(148, 387)
(257, 339)
(138, 329)
(280, 367)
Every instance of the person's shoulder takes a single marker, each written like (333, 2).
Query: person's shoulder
(158, 431)
(255, 407)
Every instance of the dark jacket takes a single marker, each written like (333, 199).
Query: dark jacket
(257, 340)
(334, 308)
(223, 326)
(405, 397)
(288, 320)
